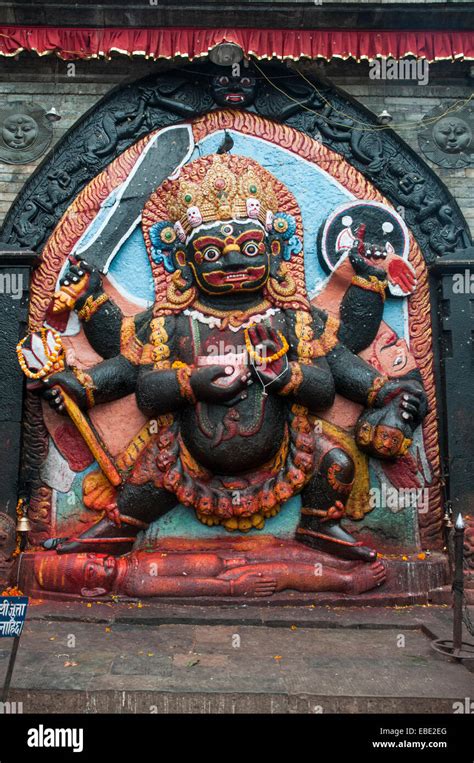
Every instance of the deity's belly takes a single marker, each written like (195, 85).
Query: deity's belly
(235, 438)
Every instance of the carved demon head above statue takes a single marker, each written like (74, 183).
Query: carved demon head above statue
(234, 88)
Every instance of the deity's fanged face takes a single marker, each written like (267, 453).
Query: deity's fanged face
(229, 257)
(236, 91)
(217, 225)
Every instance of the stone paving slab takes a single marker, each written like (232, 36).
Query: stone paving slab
(171, 658)
(312, 614)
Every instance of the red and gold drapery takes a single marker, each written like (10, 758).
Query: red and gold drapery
(74, 43)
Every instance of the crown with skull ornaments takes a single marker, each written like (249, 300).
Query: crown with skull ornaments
(221, 188)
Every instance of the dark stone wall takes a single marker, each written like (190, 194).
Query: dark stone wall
(14, 283)
(283, 14)
(74, 88)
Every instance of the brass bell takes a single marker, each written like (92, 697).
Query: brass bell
(448, 521)
(23, 525)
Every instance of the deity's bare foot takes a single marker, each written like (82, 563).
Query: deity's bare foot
(103, 537)
(365, 577)
(253, 584)
(331, 538)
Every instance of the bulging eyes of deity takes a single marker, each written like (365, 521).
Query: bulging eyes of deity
(226, 258)
(235, 89)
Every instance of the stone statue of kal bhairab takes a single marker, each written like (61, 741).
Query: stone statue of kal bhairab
(232, 364)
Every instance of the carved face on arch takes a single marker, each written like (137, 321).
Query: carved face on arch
(452, 135)
(235, 90)
(228, 257)
(19, 131)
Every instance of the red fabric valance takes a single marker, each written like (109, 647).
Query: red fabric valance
(72, 43)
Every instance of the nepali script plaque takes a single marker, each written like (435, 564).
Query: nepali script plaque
(12, 615)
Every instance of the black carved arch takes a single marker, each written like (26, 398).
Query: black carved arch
(319, 109)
